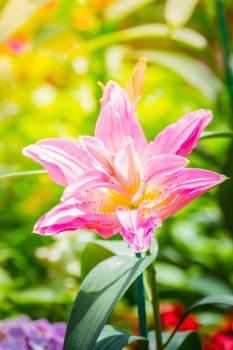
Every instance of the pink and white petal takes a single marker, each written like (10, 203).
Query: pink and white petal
(136, 231)
(192, 179)
(179, 189)
(128, 168)
(105, 224)
(99, 206)
(181, 137)
(90, 180)
(65, 216)
(163, 165)
(109, 128)
(156, 167)
(130, 127)
(100, 157)
(69, 216)
(63, 159)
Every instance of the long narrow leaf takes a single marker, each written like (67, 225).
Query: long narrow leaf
(159, 30)
(99, 293)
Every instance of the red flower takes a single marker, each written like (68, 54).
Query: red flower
(219, 341)
(223, 339)
(170, 316)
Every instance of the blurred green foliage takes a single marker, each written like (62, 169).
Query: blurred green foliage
(52, 54)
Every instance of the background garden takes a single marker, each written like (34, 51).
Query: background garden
(52, 53)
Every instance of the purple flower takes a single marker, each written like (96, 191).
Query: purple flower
(25, 334)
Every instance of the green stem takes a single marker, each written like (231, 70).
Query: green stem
(23, 173)
(155, 305)
(141, 304)
(215, 134)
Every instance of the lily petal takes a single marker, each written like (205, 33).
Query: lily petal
(163, 165)
(63, 159)
(117, 120)
(89, 181)
(180, 138)
(128, 169)
(65, 216)
(72, 215)
(136, 231)
(100, 157)
(175, 191)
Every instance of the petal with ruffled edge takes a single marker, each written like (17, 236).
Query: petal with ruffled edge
(136, 231)
(93, 211)
(181, 137)
(117, 120)
(89, 181)
(63, 159)
(168, 194)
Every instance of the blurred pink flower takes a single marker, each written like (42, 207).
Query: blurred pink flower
(117, 182)
(18, 44)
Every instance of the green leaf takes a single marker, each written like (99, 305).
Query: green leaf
(92, 255)
(190, 69)
(178, 12)
(120, 9)
(120, 247)
(182, 35)
(214, 134)
(184, 341)
(112, 338)
(214, 300)
(116, 247)
(98, 294)
(98, 250)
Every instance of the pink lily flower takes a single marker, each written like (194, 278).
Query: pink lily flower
(117, 182)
